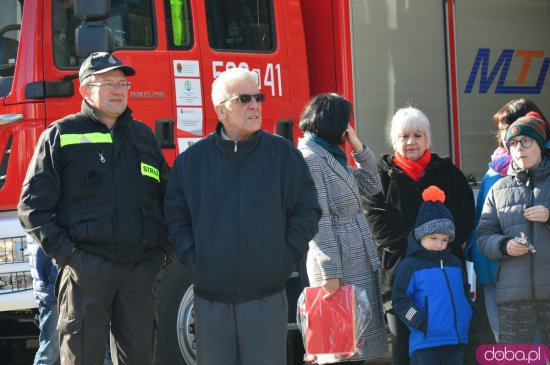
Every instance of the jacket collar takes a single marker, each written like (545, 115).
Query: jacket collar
(541, 172)
(304, 143)
(414, 248)
(92, 113)
(234, 148)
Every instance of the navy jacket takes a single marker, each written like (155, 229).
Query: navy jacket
(240, 215)
(431, 296)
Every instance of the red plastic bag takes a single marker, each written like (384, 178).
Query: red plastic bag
(332, 327)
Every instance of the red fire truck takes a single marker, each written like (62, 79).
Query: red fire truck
(458, 61)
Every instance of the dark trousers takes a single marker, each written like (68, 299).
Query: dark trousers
(399, 334)
(518, 321)
(249, 333)
(96, 293)
(441, 355)
(480, 331)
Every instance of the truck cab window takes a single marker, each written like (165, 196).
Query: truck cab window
(240, 25)
(131, 23)
(10, 26)
(179, 28)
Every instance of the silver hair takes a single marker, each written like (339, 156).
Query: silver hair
(228, 77)
(409, 119)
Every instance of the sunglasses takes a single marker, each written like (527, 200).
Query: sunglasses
(246, 98)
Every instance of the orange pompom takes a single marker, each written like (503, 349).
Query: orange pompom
(434, 194)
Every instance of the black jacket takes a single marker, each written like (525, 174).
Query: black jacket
(240, 215)
(392, 213)
(95, 189)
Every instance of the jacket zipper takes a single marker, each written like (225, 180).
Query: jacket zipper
(452, 299)
(238, 225)
(115, 200)
(532, 238)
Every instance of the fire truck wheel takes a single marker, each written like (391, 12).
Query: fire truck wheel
(176, 322)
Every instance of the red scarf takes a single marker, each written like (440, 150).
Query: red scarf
(412, 168)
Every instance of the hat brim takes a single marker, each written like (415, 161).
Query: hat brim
(440, 225)
(127, 70)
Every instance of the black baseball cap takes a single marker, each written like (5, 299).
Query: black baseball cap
(100, 62)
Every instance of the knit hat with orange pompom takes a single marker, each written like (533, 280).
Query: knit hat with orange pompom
(433, 216)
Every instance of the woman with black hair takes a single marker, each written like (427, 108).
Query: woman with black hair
(343, 252)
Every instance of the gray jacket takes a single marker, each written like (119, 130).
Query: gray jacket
(344, 248)
(524, 277)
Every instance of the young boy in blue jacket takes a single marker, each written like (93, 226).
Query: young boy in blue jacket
(430, 290)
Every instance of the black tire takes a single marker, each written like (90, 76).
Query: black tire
(176, 323)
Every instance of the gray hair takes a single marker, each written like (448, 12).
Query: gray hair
(228, 77)
(409, 119)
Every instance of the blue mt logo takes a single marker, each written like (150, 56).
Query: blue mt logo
(502, 65)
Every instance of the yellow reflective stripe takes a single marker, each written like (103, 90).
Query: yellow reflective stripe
(68, 139)
(148, 170)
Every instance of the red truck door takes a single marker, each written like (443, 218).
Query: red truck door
(230, 33)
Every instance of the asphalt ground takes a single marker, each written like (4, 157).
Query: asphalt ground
(21, 351)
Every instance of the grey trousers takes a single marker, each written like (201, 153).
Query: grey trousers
(518, 321)
(96, 293)
(250, 333)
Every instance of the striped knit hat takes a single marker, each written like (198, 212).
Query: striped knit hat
(531, 125)
(433, 216)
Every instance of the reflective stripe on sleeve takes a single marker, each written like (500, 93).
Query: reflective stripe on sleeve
(69, 139)
(150, 171)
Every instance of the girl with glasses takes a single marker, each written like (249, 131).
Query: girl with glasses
(514, 228)
(485, 267)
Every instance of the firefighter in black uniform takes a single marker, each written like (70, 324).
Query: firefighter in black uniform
(92, 198)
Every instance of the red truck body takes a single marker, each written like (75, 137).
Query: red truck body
(457, 61)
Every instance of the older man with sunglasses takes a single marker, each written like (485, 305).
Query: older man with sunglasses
(93, 199)
(240, 209)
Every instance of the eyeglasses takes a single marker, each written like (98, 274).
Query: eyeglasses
(526, 142)
(246, 98)
(109, 85)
